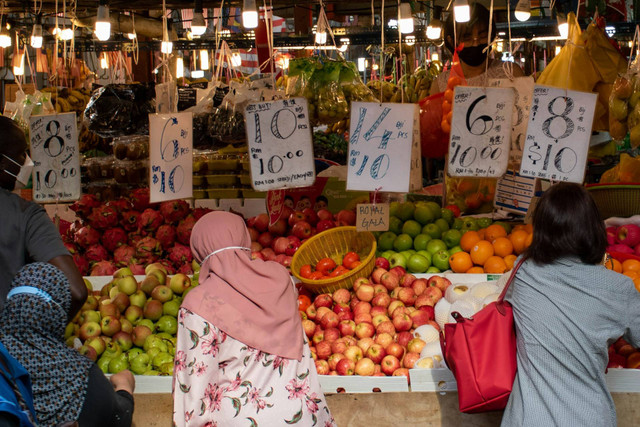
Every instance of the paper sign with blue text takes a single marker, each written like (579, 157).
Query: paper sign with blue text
(56, 158)
(384, 147)
(480, 136)
(523, 91)
(280, 144)
(558, 134)
(372, 217)
(170, 156)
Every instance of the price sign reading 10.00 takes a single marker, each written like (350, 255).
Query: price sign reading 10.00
(54, 149)
(280, 145)
(480, 135)
(558, 134)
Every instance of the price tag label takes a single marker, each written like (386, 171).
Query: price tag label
(384, 150)
(170, 156)
(372, 217)
(55, 154)
(514, 193)
(523, 91)
(280, 144)
(480, 135)
(558, 134)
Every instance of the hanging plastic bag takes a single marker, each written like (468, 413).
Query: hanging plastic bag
(433, 140)
(456, 78)
(352, 86)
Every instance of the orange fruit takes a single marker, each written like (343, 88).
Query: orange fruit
(528, 228)
(631, 265)
(518, 227)
(495, 265)
(614, 264)
(510, 260)
(518, 239)
(502, 246)
(633, 275)
(529, 240)
(469, 240)
(636, 283)
(460, 262)
(494, 231)
(481, 233)
(481, 252)
(475, 270)
(446, 126)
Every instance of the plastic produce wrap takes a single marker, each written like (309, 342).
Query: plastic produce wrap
(331, 104)
(226, 126)
(471, 195)
(352, 86)
(434, 142)
(131, 147)
(619, 112)
(628, 170)
(299, 79)
(120, 109)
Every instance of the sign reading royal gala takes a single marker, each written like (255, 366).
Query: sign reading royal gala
(55, 153)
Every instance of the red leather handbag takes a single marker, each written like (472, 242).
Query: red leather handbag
(481, 353)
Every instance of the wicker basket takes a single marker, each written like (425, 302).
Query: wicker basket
(616, 200)
(335, 243)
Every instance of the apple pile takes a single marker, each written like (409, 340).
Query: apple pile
(130, 324)
(130, 232)
(279, 241)
(326, 268)
(384, 326)
(623, 355)
(624, 239)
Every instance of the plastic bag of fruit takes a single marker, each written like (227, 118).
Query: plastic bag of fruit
(433, 139)
(299, 79)
(619, 117)
(331, 104)
(352, 86)
(628, 170)
(471, 195)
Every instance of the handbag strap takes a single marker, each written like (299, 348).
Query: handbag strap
(500, 301)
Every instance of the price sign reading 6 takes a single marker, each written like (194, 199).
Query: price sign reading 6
(555, 118)
(482, 124)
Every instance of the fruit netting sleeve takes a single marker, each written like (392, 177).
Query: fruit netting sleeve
(103, 406)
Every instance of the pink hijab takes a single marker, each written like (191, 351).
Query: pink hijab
(253, 301)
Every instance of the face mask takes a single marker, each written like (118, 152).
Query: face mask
(474, 55)
(22, 178)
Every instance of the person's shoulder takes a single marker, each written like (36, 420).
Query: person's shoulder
(9, 200)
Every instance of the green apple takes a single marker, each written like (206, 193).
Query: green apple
(469, 223)
(387, 254)
(385, 241)
(393, 208)
(432, 230)
(457, 224)
(452, 237)
(447, 215)
(90, 316)
(140, 364)
(423, 214)
(441, 260)
(412, 228)
(425, 254)
(454, 249)
(122, 272)
(407, 254)
(179, 283)
(88, 284)
(118, 364)
(138, 298)
(435, 209)
(442, 224)
(433, 270)
(420, 242)
(398, 259)
(103, 364)
(405, 211)
(402, 242)
(483, 222)
(395, 225)
(171, 308)
(127, 284)
(418, 263)
(436, 245)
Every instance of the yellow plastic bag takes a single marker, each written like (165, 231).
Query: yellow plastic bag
(628, 170)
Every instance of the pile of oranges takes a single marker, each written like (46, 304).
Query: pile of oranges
(491, 250)
(629, 267)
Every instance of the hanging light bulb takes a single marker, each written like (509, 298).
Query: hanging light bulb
(36, 36)
(362, 64)
(19, 70)
(198, 24)
(103, 24)
(410, 40)
(321, 37)
(523, 10)
(197, 74)
(563, 27)
(132, 36)
(249, 14)
(435, 56)
(557, 50)
(406, 19)
(461, 10)
(5, 37)
(204, 59)
(166, 47)
(66, 34)
(434, 29)
(179, 67)
(104, 63)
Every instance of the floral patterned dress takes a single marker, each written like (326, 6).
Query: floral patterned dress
(219, 381)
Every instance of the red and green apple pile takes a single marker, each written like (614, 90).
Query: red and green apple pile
(624, 239)
(130, 324)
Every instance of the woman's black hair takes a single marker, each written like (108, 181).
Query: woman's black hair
(479, 15)
(566, 223)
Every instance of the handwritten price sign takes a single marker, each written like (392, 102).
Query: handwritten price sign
(54, 149)
(170, 156)
(523, 89)
(280, 145)
(480, 135)
(383, 147)
(558, 134)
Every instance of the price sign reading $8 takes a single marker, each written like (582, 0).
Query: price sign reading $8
(280, 144)
(558, 134)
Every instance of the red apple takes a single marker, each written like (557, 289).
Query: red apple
(321, 311)
(338, 346)
(379, 318)
(389, 364)
(360, 281)
(261, 222)
(309, 327)
(324, 215)
(407, 296)
(341, 296)
(324, 225)
(301, 229)
(365, 343)
(376, 276)
(384, 339)
(334, 359)
(340, 307)
(253, 233)
(310, 216)
(347, 327)
(362, 318)
(323, 300)
(346, 217)
(257, 255)
(390, 280)
(323, 350)
(434, 294)
(279, 228)
(401, 372)
(322, 367)
(268, 254)
(403, 338)
(365, 330)
(311, 312)
(382, 262)
(410, 359)
(365, 292)
(353, 353)
(407, 280)
(265, 239)
(439, 282)
(419, 286)
(365, 367)
(416, 345)
(295, 217)
(419, 317)
(395, 349)
(399, 271)
(329, 320)
(376, 353)
(345, 315)
(346, 366)
(280, 245)
(386, 327)
(349, 340)
(378, 288)
(318, 336)
(381, 300)
(393, 305)
(377, 310)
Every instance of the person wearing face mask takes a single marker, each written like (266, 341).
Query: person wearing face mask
(472, 41)
(27, 233)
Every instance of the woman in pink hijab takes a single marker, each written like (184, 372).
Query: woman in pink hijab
(242, 357)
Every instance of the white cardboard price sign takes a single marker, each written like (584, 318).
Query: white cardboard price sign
(558, 134)
(280, 144)
(523, 90)
(480, 135)
(170, 156)
(55, 154)
(384, 150)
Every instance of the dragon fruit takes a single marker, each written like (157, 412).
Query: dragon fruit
(71, 247)
(166, 235)
(137, 269)
(87, 236)
(134, 238)
(167, 265)
(140, 199)
(174, 210)
(124, 255)
(120, 205)
(103, 217)
(183, 230)
(130, 220)
(179, 254)
(149, 220)
(200, 212)
(64, 228)
(148, 249)
(186, 268)
(113, 237)
(81, 263)
(103, 268)
(85, 205)
(96, 253)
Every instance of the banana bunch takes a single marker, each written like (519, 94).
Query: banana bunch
(411, 88)
(340, 127)
(388, 89)
(281, 83)
(66, 100)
